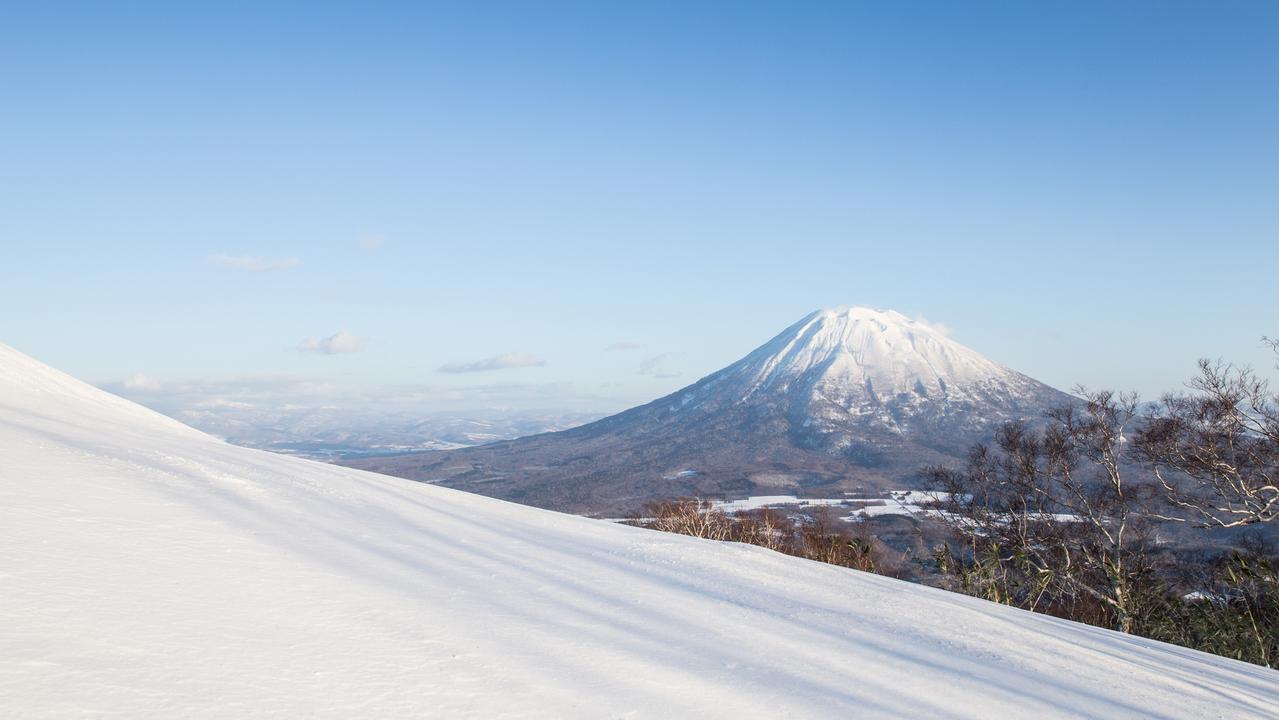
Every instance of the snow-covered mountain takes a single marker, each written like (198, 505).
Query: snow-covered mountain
(150, 571)
(860, 368)
(844, 399)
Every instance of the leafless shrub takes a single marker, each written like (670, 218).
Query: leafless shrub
(1215, 450)
(690, 516)
(766, 528)
(849, 546)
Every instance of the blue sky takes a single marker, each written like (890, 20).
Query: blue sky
(1088, 193)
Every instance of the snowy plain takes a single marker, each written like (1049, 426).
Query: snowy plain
(150, 571)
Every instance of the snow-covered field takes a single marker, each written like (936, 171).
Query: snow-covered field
(894, 502)
(917, 503)
(759, 502)
(147, 570)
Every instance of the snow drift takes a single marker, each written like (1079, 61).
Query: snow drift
(147, 570)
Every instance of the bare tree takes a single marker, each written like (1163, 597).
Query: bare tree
(690, 516)
(1048, 518)
(1215, 451)
(815, 539)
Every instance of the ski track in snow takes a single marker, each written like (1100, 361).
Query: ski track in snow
(147, 570)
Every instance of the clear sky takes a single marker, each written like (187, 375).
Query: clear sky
(365, 194)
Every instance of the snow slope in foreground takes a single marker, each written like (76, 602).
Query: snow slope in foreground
(147, 570)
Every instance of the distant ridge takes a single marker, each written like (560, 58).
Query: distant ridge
(846, 398)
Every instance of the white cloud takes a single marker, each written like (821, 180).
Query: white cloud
(138, 381)
(253, 264)
(617, 346)
(504, 361)
(341, 342)
(372, 242)
(654, 366)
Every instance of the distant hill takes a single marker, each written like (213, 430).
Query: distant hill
(844, 399)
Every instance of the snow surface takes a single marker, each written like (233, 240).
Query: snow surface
(147, 570)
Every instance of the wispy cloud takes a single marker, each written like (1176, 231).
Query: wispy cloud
(138, 381)
(618, 346)
(504, 361)
(654, 366)
(250, 263)
(372, 242)
(340, 342)
(936, 327)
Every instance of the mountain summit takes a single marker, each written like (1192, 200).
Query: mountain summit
(865, 352)
(859, 366)
(844, 399)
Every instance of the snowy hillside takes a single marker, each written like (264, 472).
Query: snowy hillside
(147, 570)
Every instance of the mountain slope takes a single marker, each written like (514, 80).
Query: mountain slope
(147, 570)
(844, 399)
